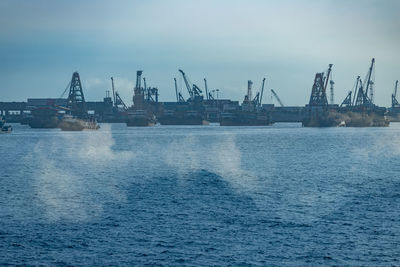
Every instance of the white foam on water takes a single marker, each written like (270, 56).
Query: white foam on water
(78, 190)
(223, 158)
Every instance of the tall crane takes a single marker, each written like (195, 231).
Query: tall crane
(258, 98)
(369, 81)
(195, 91)
(76, 100)
(277, 97)
(395, 103)
(318, 92)
(117, 98)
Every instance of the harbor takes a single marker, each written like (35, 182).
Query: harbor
(201, 107)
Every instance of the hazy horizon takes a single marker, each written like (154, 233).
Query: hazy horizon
(227, 42)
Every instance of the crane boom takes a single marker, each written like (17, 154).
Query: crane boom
(262, 92)
(369, 76)
(176, 91)
(356, 91)
(277, 97)
(327, 77)
(188, 87)
(113, 90)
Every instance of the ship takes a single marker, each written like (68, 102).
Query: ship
(71, 123)
(4, 128)
(145, 102)
(77, 117)
(44, 117)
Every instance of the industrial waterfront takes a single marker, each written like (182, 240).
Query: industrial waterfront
(202, 107)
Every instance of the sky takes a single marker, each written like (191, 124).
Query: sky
(43, 42)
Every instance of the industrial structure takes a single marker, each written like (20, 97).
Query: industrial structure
(202, 106)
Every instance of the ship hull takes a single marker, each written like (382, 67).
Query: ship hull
(140, 122)
(172, 120)
(44, 122)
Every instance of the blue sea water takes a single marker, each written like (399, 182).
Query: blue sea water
(200, 196)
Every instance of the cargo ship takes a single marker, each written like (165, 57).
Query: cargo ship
(44, 117)
(70, 123)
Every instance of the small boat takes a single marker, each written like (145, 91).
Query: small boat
(4, 128)
(70, 123)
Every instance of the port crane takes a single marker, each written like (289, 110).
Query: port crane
(277, 97)
(76, 100)
(118, 103)
(318, 93)
(362, 98)
(258, 98)
(194, 91)
(395, 103)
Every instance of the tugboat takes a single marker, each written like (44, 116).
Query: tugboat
(4, 128)
(77, 118)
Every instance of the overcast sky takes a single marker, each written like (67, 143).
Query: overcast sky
(229, 42)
